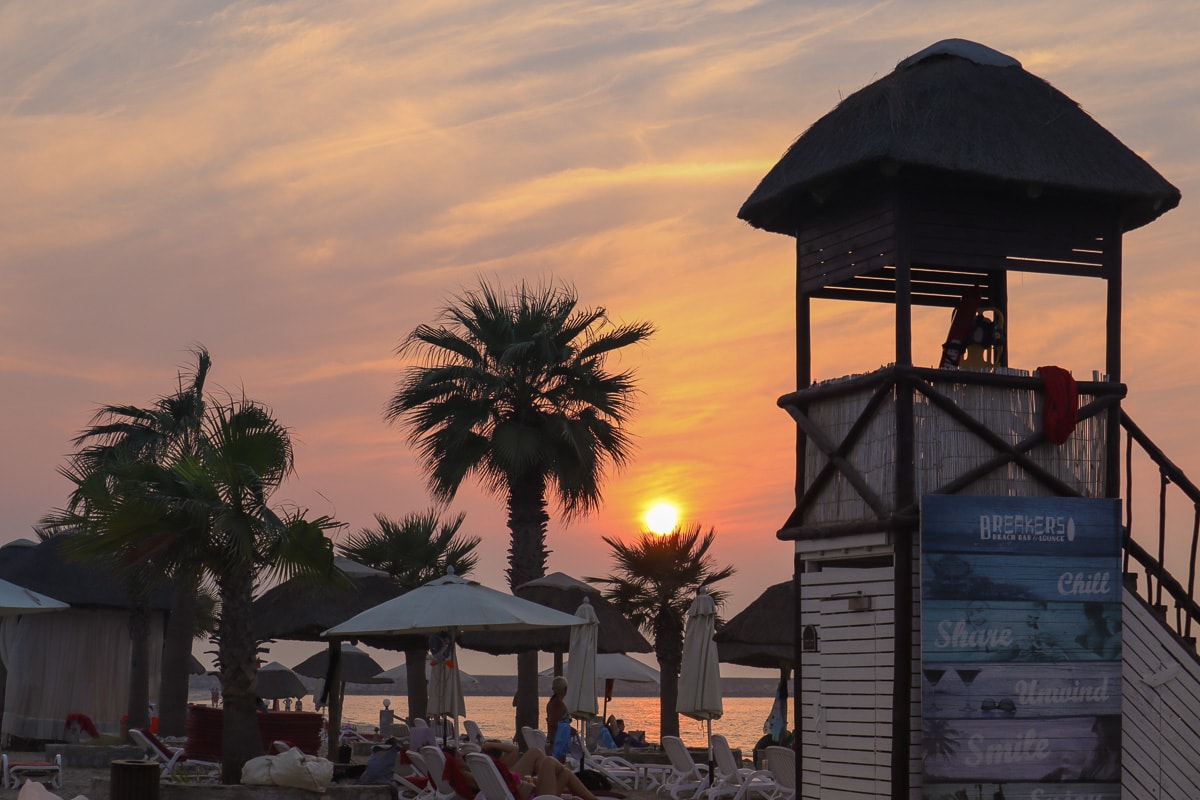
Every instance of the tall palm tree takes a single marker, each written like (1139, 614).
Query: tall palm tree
(414, 551)
(512, 389)
(654, 582)
(121, 435)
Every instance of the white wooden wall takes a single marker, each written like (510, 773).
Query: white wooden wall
(1160, 756)
(847, 697)
(847, 685)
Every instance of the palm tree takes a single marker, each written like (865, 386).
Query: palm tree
(120, 436)
(414, 551)
(243, 455)
(512, 390)
(654, 582)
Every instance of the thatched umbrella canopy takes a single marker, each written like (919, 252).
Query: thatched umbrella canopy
(762, 635)
(356, 665)
(562, 593)
(42, 567)
(298, 610)
(962, 109)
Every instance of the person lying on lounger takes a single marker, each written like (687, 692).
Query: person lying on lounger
(550, 776)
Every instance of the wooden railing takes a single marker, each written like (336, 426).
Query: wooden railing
(1174, 600)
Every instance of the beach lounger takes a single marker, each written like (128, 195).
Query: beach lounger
(435, 768)
(534, 738)
(686, 778)
(781, 763)
(409, 776)
(174, 765)
(491, 782)
(17, 772)
(733, 780)
(473, 733)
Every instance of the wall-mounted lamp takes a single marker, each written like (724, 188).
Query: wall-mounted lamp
(855, 601)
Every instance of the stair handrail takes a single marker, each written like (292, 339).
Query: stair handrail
(1159, 578)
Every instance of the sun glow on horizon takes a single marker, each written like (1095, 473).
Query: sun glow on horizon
(661, 518)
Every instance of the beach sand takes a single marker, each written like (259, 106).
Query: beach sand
(78, 781)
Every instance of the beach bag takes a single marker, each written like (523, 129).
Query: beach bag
(594, 781)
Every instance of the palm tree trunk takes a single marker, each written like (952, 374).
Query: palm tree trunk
(177, 650)
(138, 715)
(668, 700)
(418, 687)
(334, 691)
(240, 739)
(527, 520)
(668, 649)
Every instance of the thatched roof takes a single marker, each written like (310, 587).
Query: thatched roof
(299, 609)
(562, 593)
(43, 567)
(959, 109)
(762, 635)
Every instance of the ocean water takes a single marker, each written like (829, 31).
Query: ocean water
(741, 723)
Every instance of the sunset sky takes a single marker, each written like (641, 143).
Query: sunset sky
(296, 185)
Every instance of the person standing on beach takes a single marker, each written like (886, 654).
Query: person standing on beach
(556, 706)
(558, 742)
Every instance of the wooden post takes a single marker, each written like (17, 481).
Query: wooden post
(902, 539)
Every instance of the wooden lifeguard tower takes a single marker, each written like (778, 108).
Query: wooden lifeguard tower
(938, 181)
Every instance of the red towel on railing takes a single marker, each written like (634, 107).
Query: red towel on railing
(1060, 406)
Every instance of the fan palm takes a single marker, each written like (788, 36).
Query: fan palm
(512, 389)
(243, 456)
(120, 436)
(653, 583)
(414, 551)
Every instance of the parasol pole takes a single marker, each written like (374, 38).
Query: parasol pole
(711, 764)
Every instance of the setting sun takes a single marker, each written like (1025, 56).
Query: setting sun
(661, 518)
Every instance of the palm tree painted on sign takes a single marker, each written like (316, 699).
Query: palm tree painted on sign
(414, 550)
(512, 389)
(653, 583)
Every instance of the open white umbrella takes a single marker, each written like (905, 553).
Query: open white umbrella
(15, 600)
(451, 604)
(700, 671)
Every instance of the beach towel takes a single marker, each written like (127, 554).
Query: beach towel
(32, 790)
(1060, 408)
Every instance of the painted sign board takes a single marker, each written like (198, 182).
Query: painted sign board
(1020, 647)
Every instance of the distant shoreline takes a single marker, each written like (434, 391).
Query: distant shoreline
(506, 685)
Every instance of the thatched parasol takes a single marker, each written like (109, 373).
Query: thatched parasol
(958, 108)
(763, 634)
(44, 568)
(562, 593)
(298, 610)
(275, 681)
(357, 666)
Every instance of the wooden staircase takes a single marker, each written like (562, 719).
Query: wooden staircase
(1161, 672)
